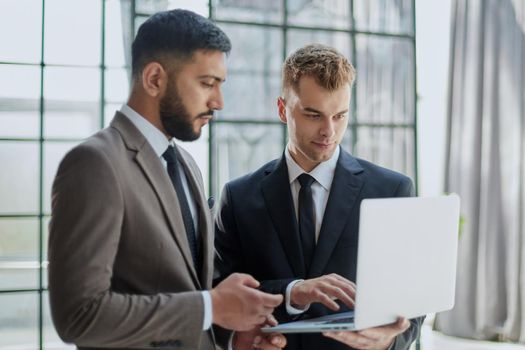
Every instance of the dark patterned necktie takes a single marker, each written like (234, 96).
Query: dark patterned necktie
(174, 169)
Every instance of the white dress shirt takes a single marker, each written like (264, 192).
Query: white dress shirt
(323, 175)
(160, 144)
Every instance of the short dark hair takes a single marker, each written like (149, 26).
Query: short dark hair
(175, 34)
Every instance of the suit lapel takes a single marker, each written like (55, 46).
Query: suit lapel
(150, 164)
(278, 199)
(343, 196)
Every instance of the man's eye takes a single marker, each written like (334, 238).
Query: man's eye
(208, 85)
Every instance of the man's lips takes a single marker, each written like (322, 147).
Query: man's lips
(323, 144)
(206, 115)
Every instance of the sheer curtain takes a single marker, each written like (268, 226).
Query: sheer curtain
(486, 167)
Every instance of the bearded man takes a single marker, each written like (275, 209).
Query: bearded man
(131, 234)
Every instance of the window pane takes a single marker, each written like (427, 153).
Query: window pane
(241, 148)
(18, 253)
(21, 30)
(254, 69)
(19, 177)
(72, 32)
(71, 106)
(51, 339)
(19, 101)
(347, 142)
(18, 320)
(256, 48)
(118, 22)
(53, 154)
(109, 112)
(250, 97)
(138, 22)
(45, 244)
(342, 42)
(117, 85)
(385, 80)
(248, 11)
(384, 15)
(72, 84)
(152, 6)
(392, 148)
(327, 13)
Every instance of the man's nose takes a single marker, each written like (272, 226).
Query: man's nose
(328, 128)
(217, 101)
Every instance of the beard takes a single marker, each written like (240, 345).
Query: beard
(175, 118)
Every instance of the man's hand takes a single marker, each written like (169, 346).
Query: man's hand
(323, 290)
(378, 338)
(254, 339)
(237, 305)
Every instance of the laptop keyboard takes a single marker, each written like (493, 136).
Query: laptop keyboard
(341, 320)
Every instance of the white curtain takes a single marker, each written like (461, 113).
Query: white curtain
(486, 167)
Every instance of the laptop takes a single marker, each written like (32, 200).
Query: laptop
(406, 264)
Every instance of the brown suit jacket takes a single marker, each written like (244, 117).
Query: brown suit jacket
(120, 269)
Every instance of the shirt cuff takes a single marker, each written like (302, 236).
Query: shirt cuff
(289, 308)
(208, 317)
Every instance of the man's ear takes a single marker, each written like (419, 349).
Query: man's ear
(154, 79)
(281, 105)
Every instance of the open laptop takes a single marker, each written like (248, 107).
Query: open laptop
(406, 264)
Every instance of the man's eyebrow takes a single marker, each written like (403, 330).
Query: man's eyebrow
(214, 77)
(313, 110)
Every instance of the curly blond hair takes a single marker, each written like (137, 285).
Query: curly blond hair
(330, 68)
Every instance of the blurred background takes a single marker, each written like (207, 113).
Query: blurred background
(422, 104)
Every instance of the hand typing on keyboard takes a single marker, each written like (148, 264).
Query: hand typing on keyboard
(325, 290)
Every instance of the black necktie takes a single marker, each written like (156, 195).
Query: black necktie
(306, 219)
(174, 169)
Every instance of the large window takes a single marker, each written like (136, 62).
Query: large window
(64, 67)
(377, 36)
(62, 74)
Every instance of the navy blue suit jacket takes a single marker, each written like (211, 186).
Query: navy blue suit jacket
(257, 233)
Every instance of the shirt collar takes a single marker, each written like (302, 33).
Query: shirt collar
(154, 136)
(323, 173)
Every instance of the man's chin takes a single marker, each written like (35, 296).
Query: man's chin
(196, 136)
(323, 157)
(185, 136)
(192, 137)
(197, 132)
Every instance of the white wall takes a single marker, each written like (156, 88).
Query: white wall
(432, 50)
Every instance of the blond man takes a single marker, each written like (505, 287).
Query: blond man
(293, 223)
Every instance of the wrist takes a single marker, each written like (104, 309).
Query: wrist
(242, 341)
(298, 306)
(290, 308)
(215, 304)
(389, 345)
(295, 299)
